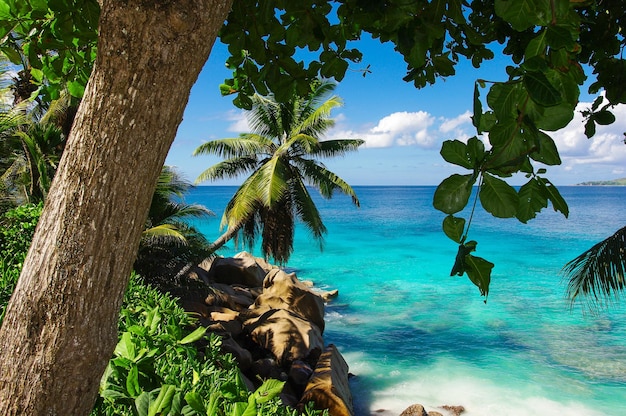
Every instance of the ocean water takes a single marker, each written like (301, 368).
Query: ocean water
(411, 333)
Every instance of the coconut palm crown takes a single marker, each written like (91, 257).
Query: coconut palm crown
(279, 155)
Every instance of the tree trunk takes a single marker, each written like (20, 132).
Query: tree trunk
(61, 323)
(224, 238)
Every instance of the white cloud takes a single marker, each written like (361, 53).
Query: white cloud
(605, 148)
(239, 122)
(405, 128)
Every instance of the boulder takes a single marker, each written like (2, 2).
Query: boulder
(433, 413)
(229, 296)
(286, 335)
(328, 387)
(300, 372)
(414, 410)
(285, 291)
(243, 269)
(268, 368)
(454, 410)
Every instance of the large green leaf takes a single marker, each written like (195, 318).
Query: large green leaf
(554, 196)
(453, 227)
(498, 197)
(452, 194)
(479, 272)
(504, 98)
(455, 152)
(547, 153)
(194, 336)
(126, 347)
(268, 390)
(531, 201)
(541, 90)
(523, 14)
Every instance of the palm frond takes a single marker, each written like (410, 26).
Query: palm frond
(265, 117)
(243, 204)
(278, 230)
(272, 181)
(230, 168)
(164, 233)
(597, 275)
(246, 145)
(307, 212)
(325, 181)
(318, 121)
(339, 147)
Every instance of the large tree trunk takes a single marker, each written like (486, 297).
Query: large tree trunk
(60, 326)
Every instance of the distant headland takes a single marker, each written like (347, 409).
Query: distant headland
(615, 182)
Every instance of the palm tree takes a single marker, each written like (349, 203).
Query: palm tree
(169, 242)
(279, 156)
(598, 273)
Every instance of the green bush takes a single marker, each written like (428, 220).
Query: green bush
(17, 227)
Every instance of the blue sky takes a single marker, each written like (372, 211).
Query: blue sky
(403, 127)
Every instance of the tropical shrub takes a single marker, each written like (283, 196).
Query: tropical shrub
(17, 227)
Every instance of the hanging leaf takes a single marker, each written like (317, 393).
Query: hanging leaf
(453, 227)
(479, 272)
(531, 201)
(604, 117)
(498, 197)
(478, 108)
(554, 196)
(547, 153)
(452, 194)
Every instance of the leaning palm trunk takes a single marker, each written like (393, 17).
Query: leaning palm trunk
(598, 273)
(230, 233)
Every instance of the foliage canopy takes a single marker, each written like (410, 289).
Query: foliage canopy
(280, 46)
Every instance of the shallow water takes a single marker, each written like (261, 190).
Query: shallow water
(413, 334)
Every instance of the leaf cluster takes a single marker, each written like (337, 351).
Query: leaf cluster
(54, 40)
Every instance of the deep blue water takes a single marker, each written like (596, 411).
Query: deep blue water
(413, 334)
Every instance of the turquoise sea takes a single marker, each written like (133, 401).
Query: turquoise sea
(413, 334)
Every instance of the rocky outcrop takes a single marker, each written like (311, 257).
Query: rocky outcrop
(272, 323)
(418, 410)
(328, 387)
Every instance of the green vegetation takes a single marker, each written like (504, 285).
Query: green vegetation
(17, 227)
(614, 182)
(280, 156)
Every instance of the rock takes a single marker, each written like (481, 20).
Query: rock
(243, 269)
(243, 356)
(300, 372)
(228, 296)
(225, 320)
(414, 410)
(286, 335)
(285, 291)
(328, 387)
(455, 410)
(329, 295)
(267, 368)
(433, 413)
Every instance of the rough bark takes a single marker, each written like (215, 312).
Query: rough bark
(60, 326)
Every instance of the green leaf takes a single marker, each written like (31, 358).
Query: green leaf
(76, 88)
(125, 347)
(498, 197)
(604, 117)
(455, 152)
(453, 227)
(554, 196)
(531, 201)
(537, 46)
(142, 404)
(590, 128)
(523, 14)
(194, 336)
(132, 382)
(477, 109)
(560, 36)
(504, 99)
(452, 194)
(479, 272)
(541, 90)
(194, 400)
(163, 400)
(547, 153)
(268, 390)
